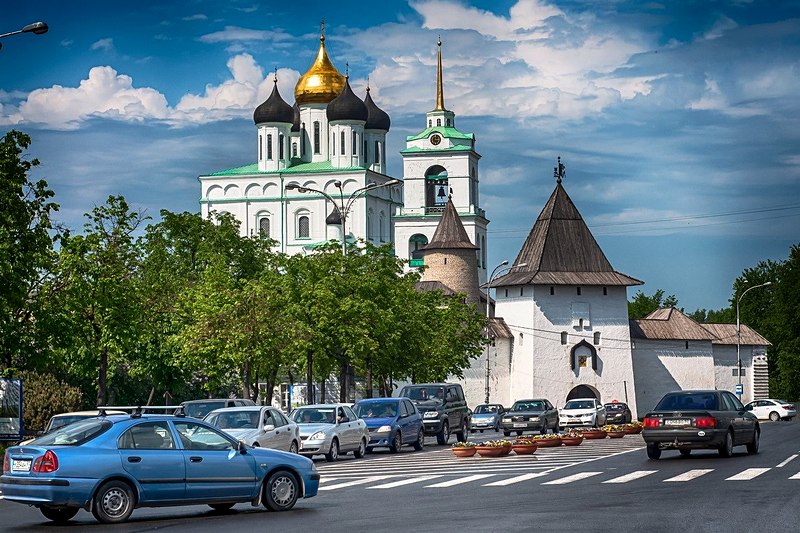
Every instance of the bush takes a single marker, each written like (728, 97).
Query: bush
(44, 396)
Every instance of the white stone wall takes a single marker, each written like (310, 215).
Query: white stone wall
(474, 381)
(725, 366)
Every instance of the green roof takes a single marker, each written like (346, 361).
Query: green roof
(450, 133)
(296, 168)
(457, 148)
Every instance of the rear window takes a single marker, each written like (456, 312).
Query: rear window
(688, 402)
(201, 409)
(420, 393)
(74, 434)
(615, 407)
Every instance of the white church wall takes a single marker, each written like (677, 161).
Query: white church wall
(726, 369)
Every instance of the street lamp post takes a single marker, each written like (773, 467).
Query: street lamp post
(497, 270)
(739, 389)
(344, 205)
(36, 28)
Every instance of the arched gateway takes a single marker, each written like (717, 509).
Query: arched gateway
(583, 391)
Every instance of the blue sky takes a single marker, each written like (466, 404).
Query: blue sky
(677, 121)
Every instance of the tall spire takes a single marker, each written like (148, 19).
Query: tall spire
(439, 88)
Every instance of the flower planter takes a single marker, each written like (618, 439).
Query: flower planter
(464, 451)
(631, 430)
(594, 434)
(524, 449)
(571, 441)
(491, 451)
(616, 434)
(507, 449)
(548, 443)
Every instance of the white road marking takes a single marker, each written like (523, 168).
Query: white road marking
(796, 476)
(516, 479)
(691, 474)
(787, 461)
(458, 481)
(748, 474)
(630, 477)
(327, 479)
(402, 482)
(354, 482)
(570, 479)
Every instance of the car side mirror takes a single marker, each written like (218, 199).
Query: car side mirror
(269, 427)
(242, 447)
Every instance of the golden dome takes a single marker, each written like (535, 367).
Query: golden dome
(321, 83)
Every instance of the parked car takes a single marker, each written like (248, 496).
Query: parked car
(330, 429)
(64, 419)
(686, 420)
(391, 422)
(112, 465)
(486, 416)
(258, 426)
(772, 409)
(618, 413)
(200, 408)
(582, 412)
(443, 409)
(530, 415)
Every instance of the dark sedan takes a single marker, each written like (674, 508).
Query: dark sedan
(530, 415)
(617, 413)
(709, 419)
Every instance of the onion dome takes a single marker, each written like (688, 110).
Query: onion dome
(377, 118)
(321, 83)
(347, 106)
(274, 109)
(296, 119)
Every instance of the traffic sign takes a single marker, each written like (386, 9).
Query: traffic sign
(739, 389)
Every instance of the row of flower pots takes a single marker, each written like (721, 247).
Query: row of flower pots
(527, 446)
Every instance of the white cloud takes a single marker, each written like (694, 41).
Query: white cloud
(235, 33)
(107, 45)
(196, 16)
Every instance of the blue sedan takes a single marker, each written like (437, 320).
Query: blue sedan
(392, 422)
(112, 465)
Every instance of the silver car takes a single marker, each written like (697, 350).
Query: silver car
(330, 429)
(264, 427)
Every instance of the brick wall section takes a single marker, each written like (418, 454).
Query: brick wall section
(456, 268)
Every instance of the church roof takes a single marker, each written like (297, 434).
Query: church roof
(296, 168)
(322, 82)
(670, 324)
(274, 109)
(444, 131)
(347, 106)
(450, 233)
(560, 250)
(377, 118)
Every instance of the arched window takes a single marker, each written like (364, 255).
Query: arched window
(437, 190)
(303, 227)
(260, 147)
(415, 244)
(564, 337)
(341, 142)
(316, 137)
(269, 146)
(333, 144)
(438, 122)
(263, 226)
(366, 153)
(281, 149)
(596, 338)
(448, 122)
(355, 143)
(430, 123)
(294, 149)
(302, 139)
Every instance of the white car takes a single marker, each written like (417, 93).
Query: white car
(330, 429)
(772, 409)
(264, 427)
(582, 412)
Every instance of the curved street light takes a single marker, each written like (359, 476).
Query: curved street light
(36, 28)
(496, 272)
(739, 389)
(342, 209)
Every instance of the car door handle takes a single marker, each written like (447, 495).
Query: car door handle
(195, 459)
(134, 459)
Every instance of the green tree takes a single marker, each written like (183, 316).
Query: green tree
(642, 305)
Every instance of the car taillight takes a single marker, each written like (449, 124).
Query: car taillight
(46, 463)
(650, 422)
(6, 463)
(788, 407)
(705, 422)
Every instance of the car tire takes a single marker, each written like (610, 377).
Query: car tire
(461, 436)
(726, 450)
(752, 446)
(221, 507)
(59, 515)
(294, 447)
(685, 452)
(419, 444)
(281, 491)
(506, 433)
(444, 434)
(113, 502)
(653, 452)
(333, 453)
(359, 452)
(774, 416)
(396, 443)
(519, 433)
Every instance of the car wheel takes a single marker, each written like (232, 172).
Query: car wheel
(281, 491)
(461, 435)
(333, 454)
(419, 444)
(506, 433)
(221, 507)
(481, 431)
(686, 452)
(362, 449)
(294, 447)
(653, 451)
(59, 515)
(396, 443)
(444, 435)
(752, 446)
(113, 502)
(774, 416)
(726, 450)
(519, 433)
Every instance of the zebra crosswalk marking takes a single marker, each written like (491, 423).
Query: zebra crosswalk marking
(458, 481)
(630, 477)
(516, 479)
(691, 474)
(570, 479)
(796, 476)
(748, 474)
(402, 482)
(354, 482)
(787, 461)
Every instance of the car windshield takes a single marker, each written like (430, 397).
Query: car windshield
(201, 409)
(61, 421)
(314, 415)
(579, 404)
(615, 406)
(688, 402)
(528, 406)
(376, 410)
(235, 419)
(423, 393)
(486, 409)
(74, 434)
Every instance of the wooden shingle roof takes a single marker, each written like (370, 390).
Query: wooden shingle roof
(450, 233)
(726, 334)
(560, 250)
(671, 324)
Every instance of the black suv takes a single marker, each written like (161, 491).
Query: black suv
(443, 409)
(200, 408)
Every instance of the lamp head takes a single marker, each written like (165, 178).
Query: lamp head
(37, 27)
(291, 187)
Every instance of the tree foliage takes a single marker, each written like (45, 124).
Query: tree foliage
(642, 305)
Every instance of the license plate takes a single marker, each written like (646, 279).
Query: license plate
(20, 465)
(519, 425)
(676, 422)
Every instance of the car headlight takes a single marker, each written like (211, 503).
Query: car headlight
(534, 419)
(506, 420)
(384, 429)
(430, 414)
(319, 435)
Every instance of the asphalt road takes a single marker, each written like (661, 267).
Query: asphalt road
(598, 486)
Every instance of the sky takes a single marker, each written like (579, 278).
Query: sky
(678, 122)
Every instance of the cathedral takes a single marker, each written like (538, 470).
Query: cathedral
(559, 326)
